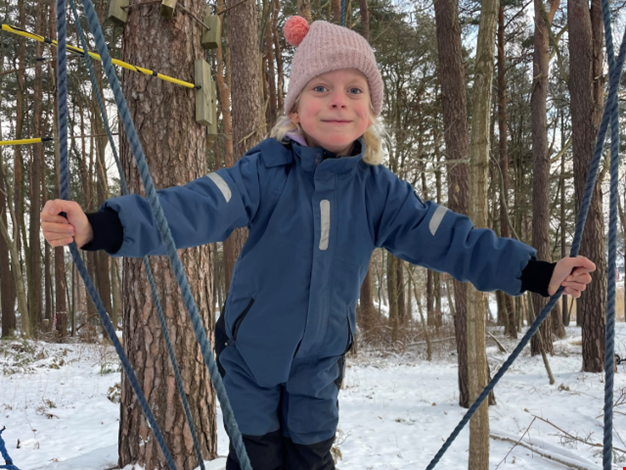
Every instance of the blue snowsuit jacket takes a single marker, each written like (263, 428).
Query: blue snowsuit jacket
(313, 225)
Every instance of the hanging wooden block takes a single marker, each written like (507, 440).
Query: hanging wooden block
(116, 13)
(211, 37)
(167, 8)
(212, 128)
(203, 95)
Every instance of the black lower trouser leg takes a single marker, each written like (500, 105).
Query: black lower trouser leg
(308, 457)
(265, 452)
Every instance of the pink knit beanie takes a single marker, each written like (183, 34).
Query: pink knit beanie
(323, 47)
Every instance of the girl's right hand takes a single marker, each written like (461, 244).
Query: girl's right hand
(61, 231)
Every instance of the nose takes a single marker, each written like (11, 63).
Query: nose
(338, 100)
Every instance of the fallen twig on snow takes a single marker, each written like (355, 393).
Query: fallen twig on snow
(516, 444)
(576, 438)
(500, 347)
(543, 453)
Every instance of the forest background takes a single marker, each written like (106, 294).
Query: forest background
(545, 98)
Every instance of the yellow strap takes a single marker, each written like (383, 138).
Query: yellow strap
(77, 50)
(24, 141)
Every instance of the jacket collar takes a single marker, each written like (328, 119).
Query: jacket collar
(319, 160)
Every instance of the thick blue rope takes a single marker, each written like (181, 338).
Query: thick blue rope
(166, 236)
(343, 12)
(64, 193)
(166, 336)
(609, 353)
(5, 455)
(610, 111)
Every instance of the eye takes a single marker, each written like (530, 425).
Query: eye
(355, 90)
(317, 88)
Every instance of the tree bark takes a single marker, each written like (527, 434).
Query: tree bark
(7, 294)
(7, 284)
(175, 149)
(270, 70)
(564, 299)
(541, 165)
(365, 19)
(279, 60)
(336, 5)
(247, 114)
(586, 85)
(35, 286)
(18, 164)
(507, 301)
(479, 167)
(304, 10)
(456, 137)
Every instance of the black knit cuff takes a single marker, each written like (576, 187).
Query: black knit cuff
(108, 232)
(536, 277)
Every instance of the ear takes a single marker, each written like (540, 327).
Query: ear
(294, 116)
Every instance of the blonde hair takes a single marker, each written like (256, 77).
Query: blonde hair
(373, 136)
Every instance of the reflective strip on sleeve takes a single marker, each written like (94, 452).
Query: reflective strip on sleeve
(221, 184)
(436, 219)
(325, 216)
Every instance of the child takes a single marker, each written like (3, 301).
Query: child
(317, 202)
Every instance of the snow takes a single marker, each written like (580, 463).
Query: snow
(396, 410)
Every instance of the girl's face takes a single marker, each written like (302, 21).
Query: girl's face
(333, 110)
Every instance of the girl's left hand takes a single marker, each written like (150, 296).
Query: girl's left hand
(573, 274)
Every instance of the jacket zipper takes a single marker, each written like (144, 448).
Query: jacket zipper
(239, 321)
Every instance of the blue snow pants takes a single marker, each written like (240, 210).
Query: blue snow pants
(289, 426)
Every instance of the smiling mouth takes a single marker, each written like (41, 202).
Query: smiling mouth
(337, 122)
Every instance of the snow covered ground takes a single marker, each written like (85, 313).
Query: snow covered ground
(396, 410)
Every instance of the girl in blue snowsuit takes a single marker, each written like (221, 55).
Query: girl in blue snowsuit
(316, 202)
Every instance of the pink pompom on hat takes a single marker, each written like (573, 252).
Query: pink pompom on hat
(323, 47)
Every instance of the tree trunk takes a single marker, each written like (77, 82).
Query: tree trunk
(479, 167)
(304, 9)
(270, 71)
(248, 120)
(35, 287)
(541, 166)
(7, 284)
(392, 288)
(367, 318)
(47, 259)
(507, 304)
(564, 299)
(454, 104)
(18, 280)
(586, 86)
(365, 19)
(115, 294)
(160, 110)
(103, 281)
(336, 5)
(278, 56)
(18, 164)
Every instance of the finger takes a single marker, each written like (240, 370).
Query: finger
(580, 277)
(586, 263)
(59, 205)
(575, 285)
(581, 270)
(57, 219)
(61, 242)
(572, 292)
(57, 236)
(57, 228)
